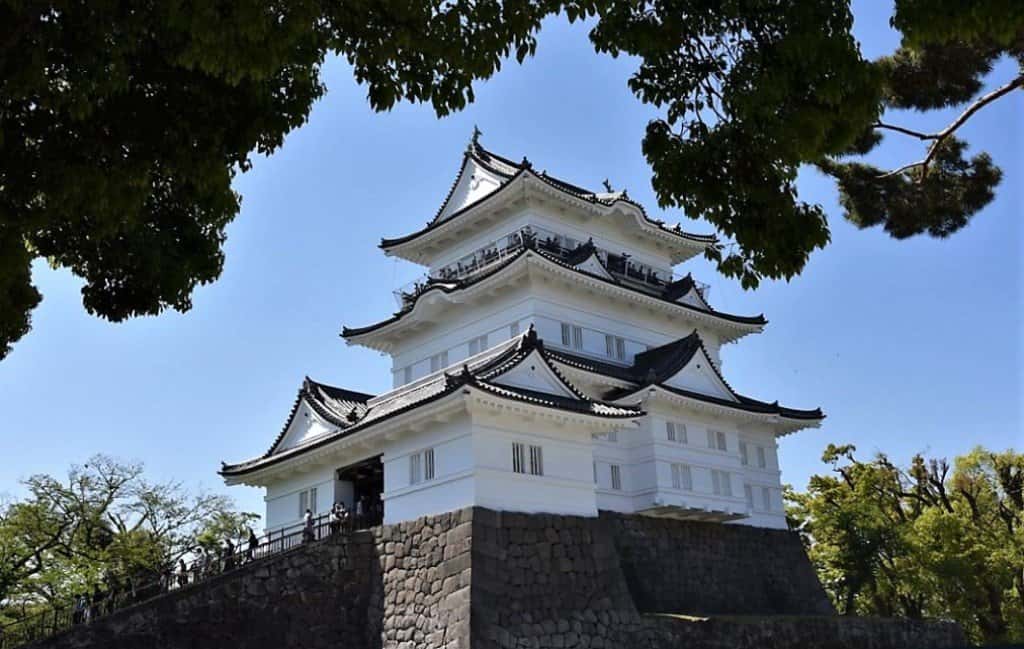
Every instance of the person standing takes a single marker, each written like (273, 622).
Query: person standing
(254, 544)
(182, 574)
(307, 529)
(229, 554)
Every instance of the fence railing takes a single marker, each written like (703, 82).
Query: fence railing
(87, 610)
(491, 254)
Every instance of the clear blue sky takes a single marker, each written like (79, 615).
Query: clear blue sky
(908, 346)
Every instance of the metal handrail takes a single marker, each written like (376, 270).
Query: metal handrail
(56, 619)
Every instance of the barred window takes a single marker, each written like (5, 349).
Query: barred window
(682, 477)
(536, 460)
(721, 485)
(439, 361)
(407, 374)
(616, 472)
(748, 493)
(415, 475)
(477, 345)
(762, 460)
(716, 440)
(766, 499)
(428, 464)
(518, 459)
(675, 432)
(744, 460)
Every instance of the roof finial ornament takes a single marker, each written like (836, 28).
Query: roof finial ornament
(531, 335)
(607, 185)
(474, 141)
(526, 164)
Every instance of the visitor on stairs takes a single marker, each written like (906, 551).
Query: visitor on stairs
(254, 543)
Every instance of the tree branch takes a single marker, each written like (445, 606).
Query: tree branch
(941, 136)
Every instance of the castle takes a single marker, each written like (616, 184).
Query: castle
(550, 361)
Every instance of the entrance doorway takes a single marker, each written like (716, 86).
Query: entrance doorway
(361, 487)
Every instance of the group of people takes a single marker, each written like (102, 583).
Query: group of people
(208, 562)
(367, 512)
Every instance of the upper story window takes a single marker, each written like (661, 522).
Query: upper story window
(748, 493)
(716, 440)
(477, 345)
(572, 336)
(762, 459)
(766, 499)
(407, 374)
(439, 361)
(675, 432)
(744, 460)
(616, 473)
(615, 347)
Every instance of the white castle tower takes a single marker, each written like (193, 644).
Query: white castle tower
(549, 361)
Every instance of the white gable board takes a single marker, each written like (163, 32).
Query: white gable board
(593, 266)
(474, 184)
(534, 374)
(304, 426)
(699, 376)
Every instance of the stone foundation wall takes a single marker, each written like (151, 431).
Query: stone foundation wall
(481, 579)
(308, 597)
(709, 568)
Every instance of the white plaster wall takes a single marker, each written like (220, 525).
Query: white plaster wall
(282, 497)
(452, 486)
(567, 485)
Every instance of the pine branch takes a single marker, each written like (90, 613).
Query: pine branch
(941, 136)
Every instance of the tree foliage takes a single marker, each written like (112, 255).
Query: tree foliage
(122, 126)
(929, 540)
(104, 524)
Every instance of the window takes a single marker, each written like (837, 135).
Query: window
(415, 469)
(613, 436)
(572, 336)
(616, 476)
(518, 463)
(536, 460)
(513, 329)
(407, 374)
(428, 464)
(762, 460)
(307, 500)
(766, 499)
(748, 493)
(744, 460)
(682, 477)
(675, 432)
(615, 347)
(721, 485)
(439, 361)
(477, 345)
(519, 459)
(716, 440)
(595, 471)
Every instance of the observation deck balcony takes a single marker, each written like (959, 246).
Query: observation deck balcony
(633, 274)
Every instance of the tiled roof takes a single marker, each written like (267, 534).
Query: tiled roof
(479, 374)
(450, 286)
(507, 170)
(658, 364)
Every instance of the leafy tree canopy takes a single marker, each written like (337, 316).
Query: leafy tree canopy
(102, 525)
(928, 540)
(121, 126)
